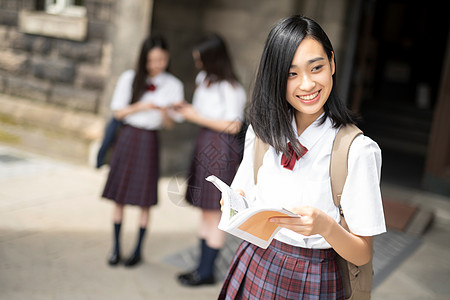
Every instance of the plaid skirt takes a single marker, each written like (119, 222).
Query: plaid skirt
(215, 153)
(282, 271)
(134, 168)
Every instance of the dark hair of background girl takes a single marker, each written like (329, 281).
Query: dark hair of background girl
(270, 114)
(215, 59)
(140, 79)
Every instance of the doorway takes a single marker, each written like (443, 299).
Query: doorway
(396, 78)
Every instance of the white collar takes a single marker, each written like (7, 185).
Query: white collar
(158, 79)
(313, 132)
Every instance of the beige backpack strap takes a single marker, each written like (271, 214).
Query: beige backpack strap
(339, 159)
(260, 149)
(338, 175)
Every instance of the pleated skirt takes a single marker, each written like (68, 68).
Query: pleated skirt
(215, 153)
(134, 169)
(282, 271)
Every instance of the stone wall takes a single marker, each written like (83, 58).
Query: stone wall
(79, 73)
(63, 72)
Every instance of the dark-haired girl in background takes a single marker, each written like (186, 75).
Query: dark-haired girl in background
(218, 107)
(296, 110)
(142, 101)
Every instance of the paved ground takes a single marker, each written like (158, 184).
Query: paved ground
(55, 234)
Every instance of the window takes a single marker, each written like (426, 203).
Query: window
(64, 19)
(72, 8)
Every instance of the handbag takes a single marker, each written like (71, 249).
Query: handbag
(112, 130)
(357, 280)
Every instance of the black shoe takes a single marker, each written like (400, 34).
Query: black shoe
(133, 260)
(114, 259)
(194, 279)
(186, 276)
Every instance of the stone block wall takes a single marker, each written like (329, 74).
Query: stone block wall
(67, 73)
(79, 72)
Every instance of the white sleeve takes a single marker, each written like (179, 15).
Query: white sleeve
(361, 198)
(123, 91)
(200, 77)
(234, 101)
(177, 95)
(244, 179)
(175, 92)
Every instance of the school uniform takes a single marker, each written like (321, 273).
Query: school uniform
(134, 168)
(296, 266)
(215, 152)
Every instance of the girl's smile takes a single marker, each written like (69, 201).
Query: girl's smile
(309, 99)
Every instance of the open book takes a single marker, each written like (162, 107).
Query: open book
(248, 223)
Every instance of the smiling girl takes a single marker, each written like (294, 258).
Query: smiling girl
(296, 110)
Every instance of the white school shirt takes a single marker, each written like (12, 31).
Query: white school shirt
(219, 101)
(308, 184)
(169, 90)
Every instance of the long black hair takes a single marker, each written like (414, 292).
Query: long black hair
(215, 59)
(141, 73)
(270, 114)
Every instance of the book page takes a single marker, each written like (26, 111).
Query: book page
(235, 201)
(248, 223)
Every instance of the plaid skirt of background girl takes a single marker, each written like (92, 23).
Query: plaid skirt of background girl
(134, 169)
(282, 271)
(215, 153)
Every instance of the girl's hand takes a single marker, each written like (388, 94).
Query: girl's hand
(179, 105)
(188, 112)
(354, 248)
(147, 105)
(133, 108)
(312, 221)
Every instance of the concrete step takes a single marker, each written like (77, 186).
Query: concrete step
(49, 129)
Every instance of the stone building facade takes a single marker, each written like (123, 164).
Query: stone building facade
(58, 71)
(73, 71)
(43, 67)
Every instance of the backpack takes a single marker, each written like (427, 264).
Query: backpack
(357, 280)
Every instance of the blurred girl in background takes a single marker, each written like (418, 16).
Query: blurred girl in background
(141, 101)
(218, 107)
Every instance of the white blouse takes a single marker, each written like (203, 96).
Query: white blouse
(308, 184)
(169, 90)
(219, 101)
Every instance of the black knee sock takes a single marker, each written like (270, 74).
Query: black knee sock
(201, 250)
(137, 251)
(207, 259)
(117, 227)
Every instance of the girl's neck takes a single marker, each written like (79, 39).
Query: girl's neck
(153, 76)
(303, 121)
